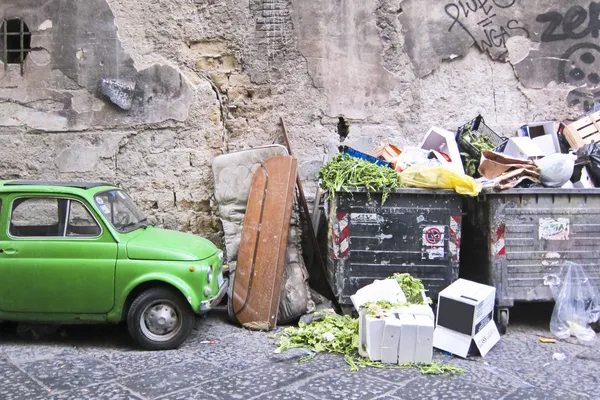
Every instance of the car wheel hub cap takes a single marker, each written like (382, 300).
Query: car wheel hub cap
(160, 321)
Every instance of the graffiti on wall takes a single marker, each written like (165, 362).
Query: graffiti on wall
(579, 28)
(483, 21)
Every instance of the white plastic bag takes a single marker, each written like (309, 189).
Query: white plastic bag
(577, 304)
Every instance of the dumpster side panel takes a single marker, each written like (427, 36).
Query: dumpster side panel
(532, 234)
(413, 231)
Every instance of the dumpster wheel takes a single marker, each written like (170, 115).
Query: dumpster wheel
(503, 319)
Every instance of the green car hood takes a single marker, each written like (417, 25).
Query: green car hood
(166, 245)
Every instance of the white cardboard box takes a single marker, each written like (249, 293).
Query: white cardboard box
(523, 147)
(539, 132)
(443, 141)
(465, 315)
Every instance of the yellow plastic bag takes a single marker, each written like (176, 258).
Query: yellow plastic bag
(439, 178)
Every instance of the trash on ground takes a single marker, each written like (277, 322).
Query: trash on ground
(559, 356)
(547, 340)
(395, 329)
(465, 319)
(577, 305)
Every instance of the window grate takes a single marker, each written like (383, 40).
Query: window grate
(16, 39)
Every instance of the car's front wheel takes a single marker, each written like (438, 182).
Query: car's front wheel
(159, 319)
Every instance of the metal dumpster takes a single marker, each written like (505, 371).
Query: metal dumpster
(415, 230)
(520, 239)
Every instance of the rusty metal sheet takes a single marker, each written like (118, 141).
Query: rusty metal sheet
(261, 258)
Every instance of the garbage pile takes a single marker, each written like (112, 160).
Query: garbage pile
(395, 329)
(543, 154)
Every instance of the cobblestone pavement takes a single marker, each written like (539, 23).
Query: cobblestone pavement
(98, 362)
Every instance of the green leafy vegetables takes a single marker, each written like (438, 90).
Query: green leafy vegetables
(412, 288)
(339, 334)
(344, 171)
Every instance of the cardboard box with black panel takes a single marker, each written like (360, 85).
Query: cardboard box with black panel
(465, 324)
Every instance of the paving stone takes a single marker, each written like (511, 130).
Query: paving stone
(163, 381)
(26, 352)
(68, 373)
(111, 391)
(16, 385)
(189, 394)
(539, 394)
(346, 386)
(133, 362)
(286, 394)
(446, 388)
(245, 385)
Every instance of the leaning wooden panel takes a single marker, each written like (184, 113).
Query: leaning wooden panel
(261, 258)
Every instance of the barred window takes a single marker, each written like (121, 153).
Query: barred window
(15, 39)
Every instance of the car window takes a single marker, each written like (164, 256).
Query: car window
(35, 216)
(45, 217)
(81, 222)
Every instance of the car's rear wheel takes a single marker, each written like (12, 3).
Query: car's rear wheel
(159, 319)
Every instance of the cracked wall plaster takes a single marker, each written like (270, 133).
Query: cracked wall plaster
(79, 40)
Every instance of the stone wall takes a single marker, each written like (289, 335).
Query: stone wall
(185, 80)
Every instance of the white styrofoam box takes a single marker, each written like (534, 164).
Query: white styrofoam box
(585, 181)
(416, 339)
(522, 147)
(373, 336)
(385, 289)
(408, 339)
(424, 345)
(443, 141)
(465, 308)
(362, 333)
(415, 309)
(389, 342)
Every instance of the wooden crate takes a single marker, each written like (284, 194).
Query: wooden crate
(583, 131)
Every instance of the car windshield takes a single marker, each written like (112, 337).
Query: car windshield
(120, 210)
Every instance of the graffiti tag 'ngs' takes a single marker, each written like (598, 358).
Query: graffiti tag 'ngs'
(494, 37)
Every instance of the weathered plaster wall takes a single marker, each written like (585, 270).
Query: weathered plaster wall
(216, 75)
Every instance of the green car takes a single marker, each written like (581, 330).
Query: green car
(82, 252)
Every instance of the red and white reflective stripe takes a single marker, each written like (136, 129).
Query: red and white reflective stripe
(341, 241)
(498, 246)
(454, 243)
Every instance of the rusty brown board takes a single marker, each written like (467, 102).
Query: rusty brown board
(261, 257)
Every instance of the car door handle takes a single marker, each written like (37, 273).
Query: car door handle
(8, 251)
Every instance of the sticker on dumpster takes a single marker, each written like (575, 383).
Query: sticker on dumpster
(433, 235)
(554, 228)
(434, 253)
(366, 219)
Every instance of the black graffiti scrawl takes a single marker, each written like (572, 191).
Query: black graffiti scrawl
(578, 29)
(486, 22)
(564, 39)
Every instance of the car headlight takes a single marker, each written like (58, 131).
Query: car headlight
(209, 275)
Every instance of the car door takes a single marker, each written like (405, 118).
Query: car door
(55, 257)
